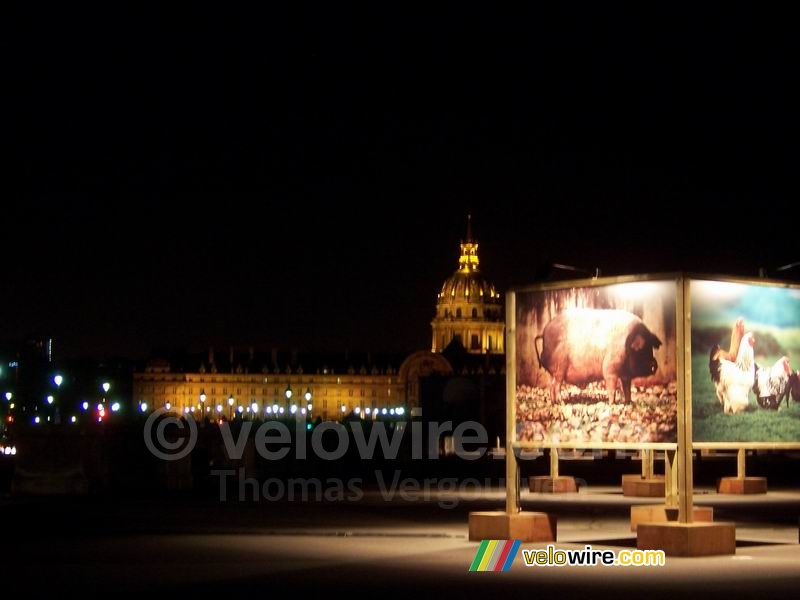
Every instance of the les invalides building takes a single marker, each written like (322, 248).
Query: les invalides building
(468, 340)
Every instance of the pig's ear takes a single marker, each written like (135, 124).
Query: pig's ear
(655, 341)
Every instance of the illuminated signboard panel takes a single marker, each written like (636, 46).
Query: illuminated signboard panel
(594, 364)
(745, 353)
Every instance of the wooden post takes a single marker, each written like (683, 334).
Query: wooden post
(647, 464)
(740, 463)
(685, 467)
(554, 463)
(670, 479)
(512, 473)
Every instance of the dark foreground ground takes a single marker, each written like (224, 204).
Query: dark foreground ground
(191, 544)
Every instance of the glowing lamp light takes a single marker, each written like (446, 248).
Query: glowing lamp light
(168, 405)
(85, 405)
(106, 386)
(240, 409)
(384, 411)
(99, 407)
(269, 410)
(303, 411)
(357, 409)
(219, 408)
(254, 407)
(275, 408)
(281, 410)
(344, 409)
(391, 411)
(230, 401)
(293, 409)
(58, 380)
(50, 399)
(401, 411)
(37, 420)
(202, 397)
(368, 410)
(73, 419)
(288, 392)
(307, 395)
(115, 407)
(143, 407)
(309, 408)
(186, 410)
(9, 396)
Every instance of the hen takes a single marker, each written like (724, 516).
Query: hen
(734, 380)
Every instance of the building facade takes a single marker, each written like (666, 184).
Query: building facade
(469, 313)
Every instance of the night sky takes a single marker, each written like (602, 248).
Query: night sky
(299, 177)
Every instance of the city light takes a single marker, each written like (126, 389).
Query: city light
(9, 396)
(368, 410)
(143, 407)
(115, 407)
(307, 395)
(288, 392)
(58, 380)
(400, 411)
(219, 408)
(240, 409)
(384, 411)
(293, 409)
(230, 400)
(344, 409)
(202, 397)
(106, 386)
(303, 412)
(73, 419)
(50, 399)
(281, 410)
(37, 420)
(168, 405)
(85, 405)
(254, 407)
(269, 410)
(391, 411)
(275, 408)
(309, 408)
(99, 407)
(358, 410)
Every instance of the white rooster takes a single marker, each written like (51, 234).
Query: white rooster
(734, 380)
(772, 384)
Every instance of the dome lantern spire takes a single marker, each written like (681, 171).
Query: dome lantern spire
(468, 261)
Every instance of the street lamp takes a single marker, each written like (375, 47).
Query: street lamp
(308, 396)
(58, 380)
(231, 402)
(106, 386)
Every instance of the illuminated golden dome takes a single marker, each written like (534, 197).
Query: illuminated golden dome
(468, 306)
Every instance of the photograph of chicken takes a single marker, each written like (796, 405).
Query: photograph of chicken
(746, 395)
(596, 365)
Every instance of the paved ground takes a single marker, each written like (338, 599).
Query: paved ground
(392, 548)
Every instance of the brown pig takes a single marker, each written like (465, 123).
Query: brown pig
(581, 345)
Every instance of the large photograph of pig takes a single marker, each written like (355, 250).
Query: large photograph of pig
(745, 360)
(596, 365)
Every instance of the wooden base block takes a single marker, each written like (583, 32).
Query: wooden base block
(687, 539)
(659, 513)
(499, 525)
(636, 485)
(746, 485)
(550, 485)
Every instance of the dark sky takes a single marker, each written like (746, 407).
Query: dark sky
(209, 174)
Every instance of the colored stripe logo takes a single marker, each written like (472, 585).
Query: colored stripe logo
(495, 555)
